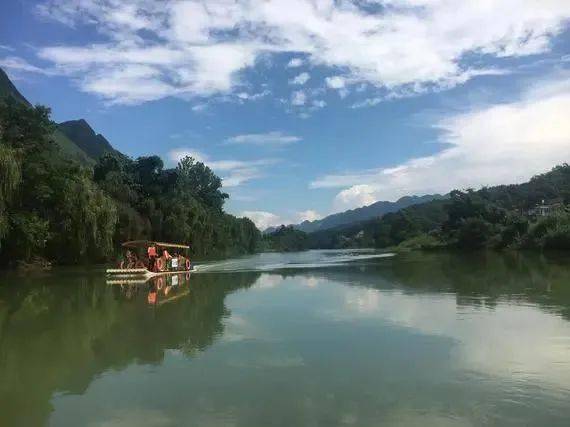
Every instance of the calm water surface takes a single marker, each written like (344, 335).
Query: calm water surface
(322, 338)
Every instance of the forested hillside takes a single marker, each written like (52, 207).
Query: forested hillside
(496, 217)
(56, 208)
(287, 239)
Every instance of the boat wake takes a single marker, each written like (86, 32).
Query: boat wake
(297, 260)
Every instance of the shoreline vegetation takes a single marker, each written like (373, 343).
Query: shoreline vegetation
(534, 215)
(54, 209)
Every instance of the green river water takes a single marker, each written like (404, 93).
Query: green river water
(321, 338)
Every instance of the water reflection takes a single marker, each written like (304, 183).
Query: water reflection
(59, 333)
(434, 339)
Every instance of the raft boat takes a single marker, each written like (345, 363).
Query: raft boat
(147, 258)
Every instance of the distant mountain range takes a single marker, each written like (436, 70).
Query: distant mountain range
(75, 137)
(361, 214)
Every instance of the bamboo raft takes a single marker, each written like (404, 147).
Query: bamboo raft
(138, 272)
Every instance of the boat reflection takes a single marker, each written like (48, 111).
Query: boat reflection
(158, 290)
(164, 289)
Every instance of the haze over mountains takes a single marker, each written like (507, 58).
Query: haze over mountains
(361, 214)
(75, 137)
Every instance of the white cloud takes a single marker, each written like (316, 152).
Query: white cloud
(355, 196)
(240, 176)
(298, 98)
(335, 82)
(5, 47)
(128, 75)
(368, 102)
(490, 145)
(308, 215)
(409, 91)
(131, 84)
(234, 172)
(253, 96)
(301, 79)
(295, 62)
(268, 138)
(177, 154)
(189, 48)
(19, 64)
(338, 83)
(263, 219)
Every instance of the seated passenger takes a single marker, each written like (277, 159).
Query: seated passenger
(166, 257)
(128, 261)
(174, 262)
(151, 253)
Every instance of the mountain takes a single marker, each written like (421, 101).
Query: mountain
(7, 89)
(70, 147)
(83, 135)
(75, 138)
(362, 214)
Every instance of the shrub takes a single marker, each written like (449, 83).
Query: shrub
(422, 241)
(558, 238)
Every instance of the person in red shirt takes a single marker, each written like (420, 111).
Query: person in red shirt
(151, 252)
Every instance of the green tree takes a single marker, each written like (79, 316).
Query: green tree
(10, 179)
(474, 233)
(199, 180)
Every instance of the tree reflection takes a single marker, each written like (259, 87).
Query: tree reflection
(476, 278)
(59, 335)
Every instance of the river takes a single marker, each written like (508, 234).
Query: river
(320, 338)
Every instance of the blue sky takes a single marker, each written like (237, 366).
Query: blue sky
(308, 107)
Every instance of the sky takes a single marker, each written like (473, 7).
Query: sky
(308, 107)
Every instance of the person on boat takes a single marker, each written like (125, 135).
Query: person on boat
(151, 252)
(175, 261)
(184, 263)
(128, 261)
(167, 259)
(134, 260)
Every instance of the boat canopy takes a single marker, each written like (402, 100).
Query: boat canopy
(147, 243)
